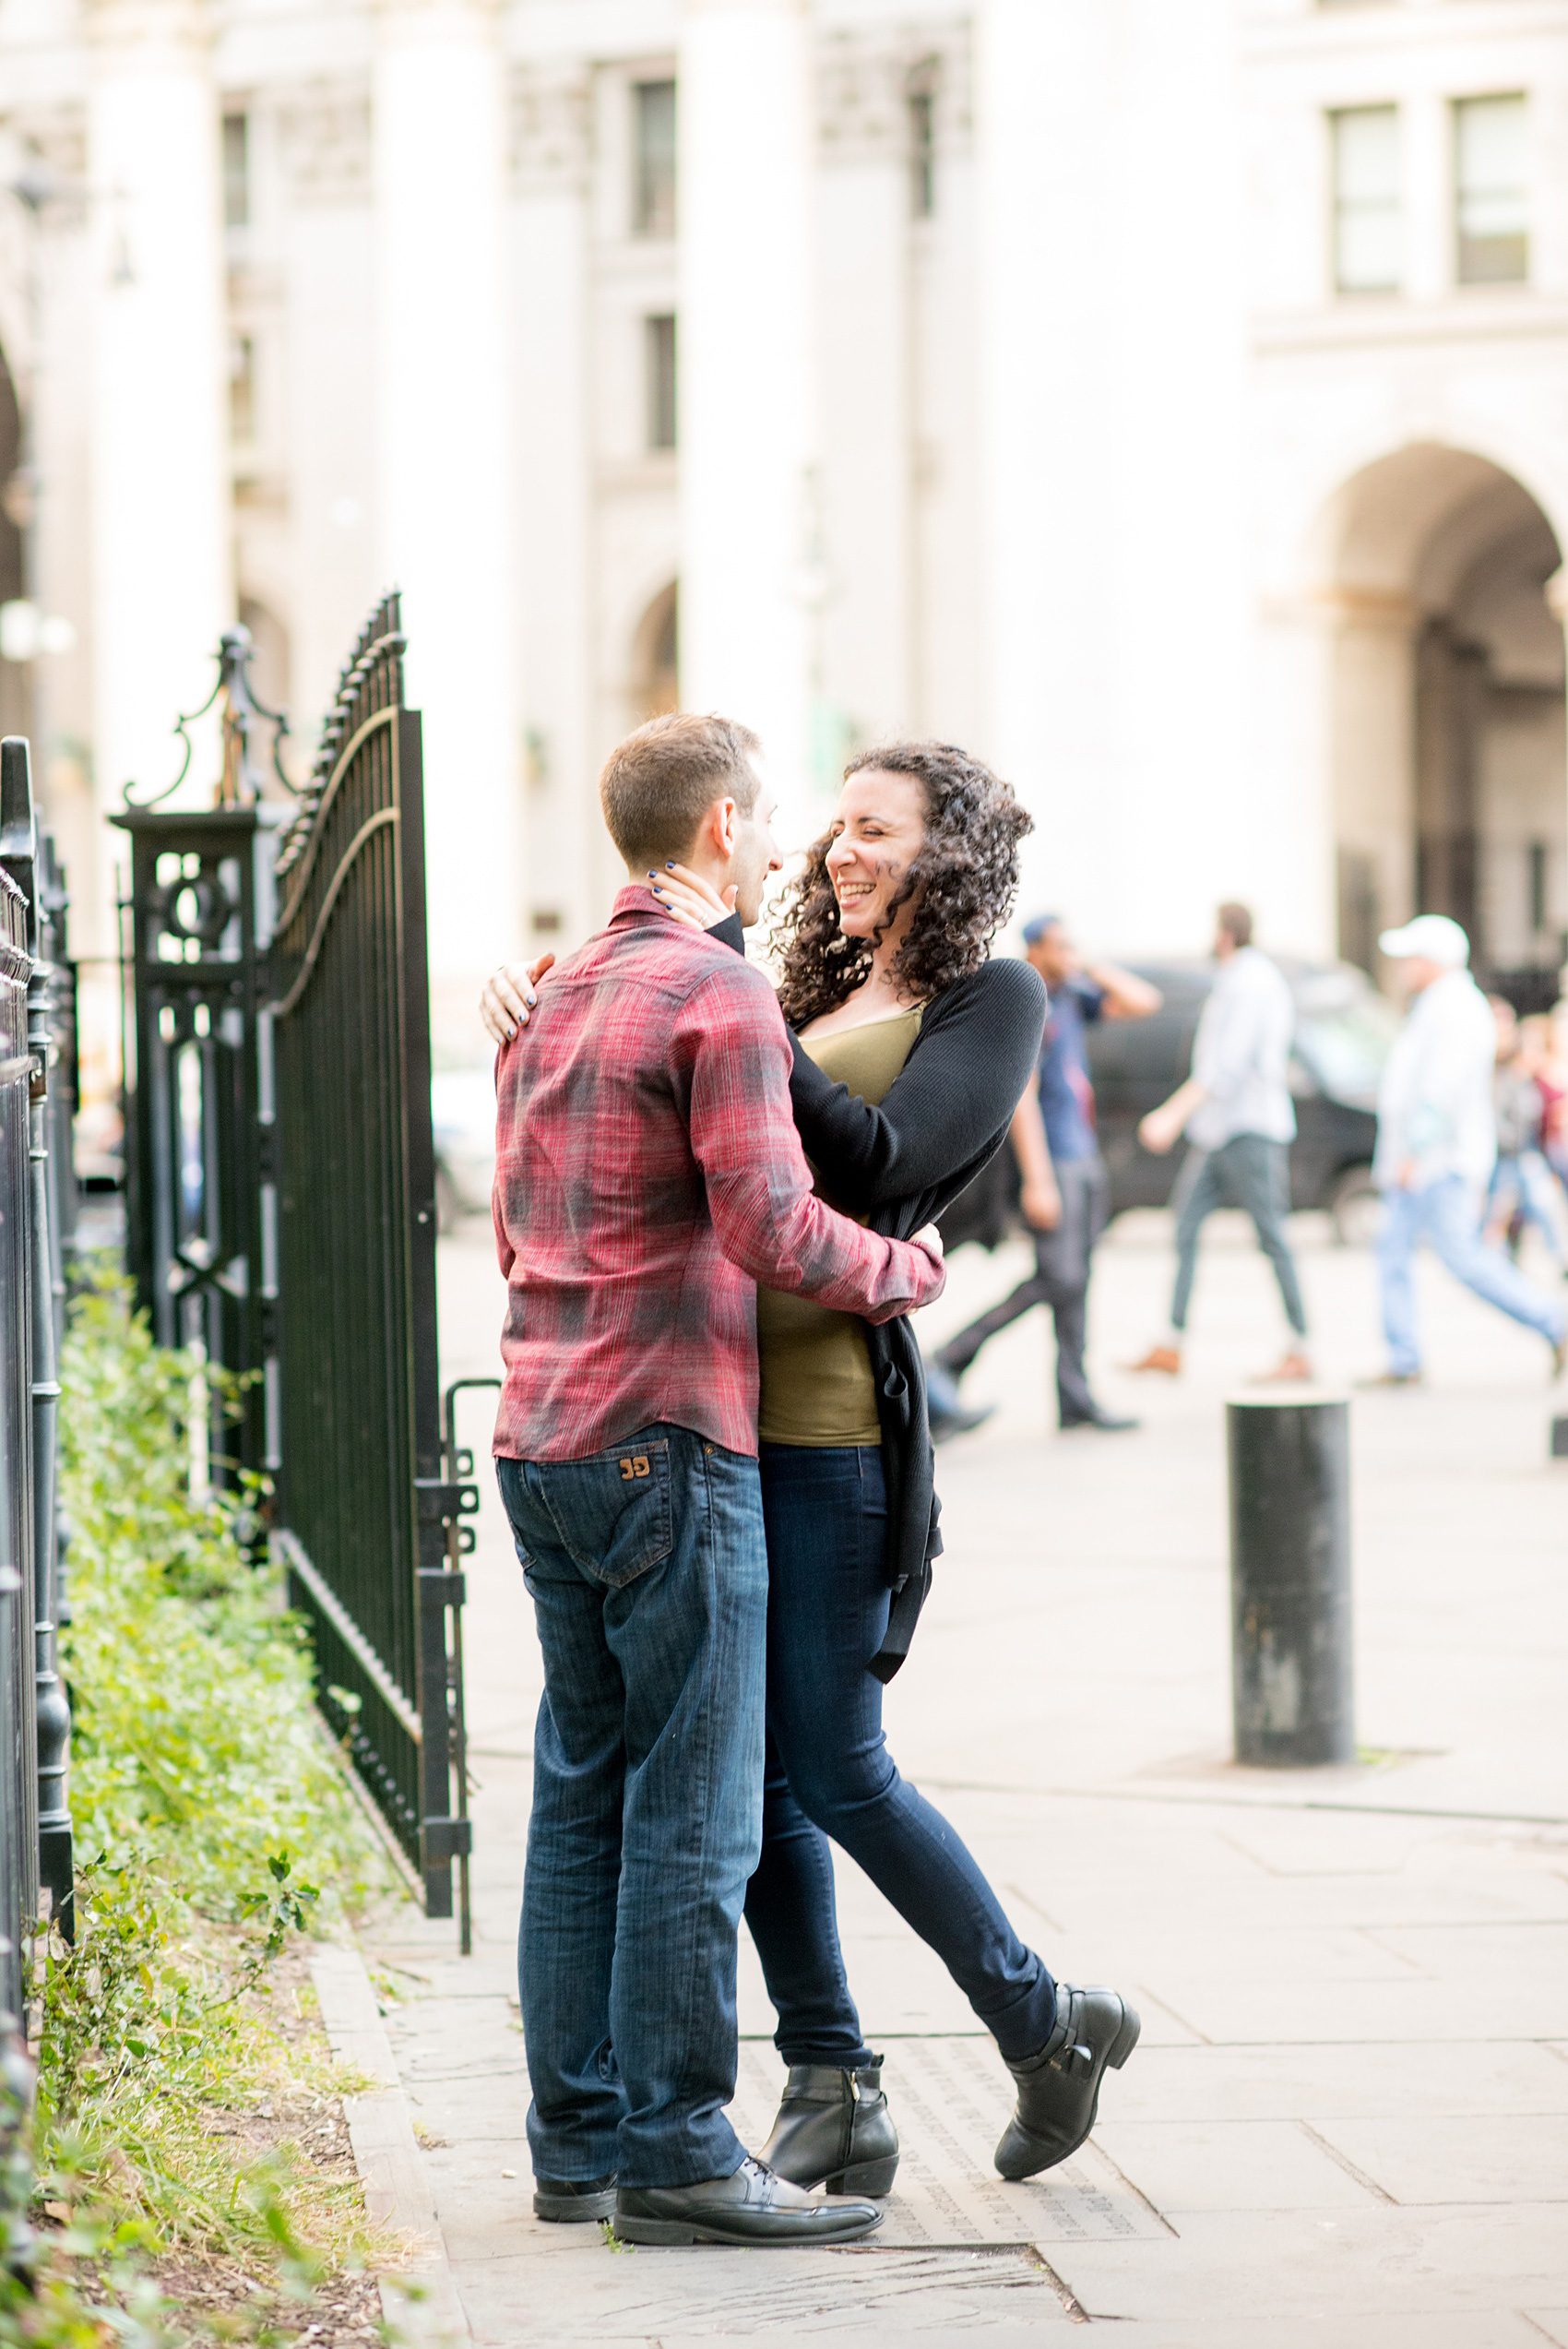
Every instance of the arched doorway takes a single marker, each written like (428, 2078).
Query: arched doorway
(1448, 747)
(656, 656)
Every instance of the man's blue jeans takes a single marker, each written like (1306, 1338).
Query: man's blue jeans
(648, 1573)
(1447, 1216)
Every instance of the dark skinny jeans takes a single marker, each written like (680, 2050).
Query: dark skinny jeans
(829, 1773)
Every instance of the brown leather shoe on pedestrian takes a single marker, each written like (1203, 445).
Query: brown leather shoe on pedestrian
(1290, 1370)
(1166, 1359)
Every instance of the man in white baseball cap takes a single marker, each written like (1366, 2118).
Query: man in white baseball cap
(1436, 1144)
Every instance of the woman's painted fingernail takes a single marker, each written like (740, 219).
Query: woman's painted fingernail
(670, 863)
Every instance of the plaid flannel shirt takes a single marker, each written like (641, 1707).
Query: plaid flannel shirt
(647, 1174)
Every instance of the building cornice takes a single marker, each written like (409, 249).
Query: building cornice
(866, 76)
(324, 139)
(550, 126)
(1496, 320)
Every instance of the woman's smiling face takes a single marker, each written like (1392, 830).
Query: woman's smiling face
(877, 834)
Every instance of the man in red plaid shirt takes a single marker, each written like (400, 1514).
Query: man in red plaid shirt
(648, 1174)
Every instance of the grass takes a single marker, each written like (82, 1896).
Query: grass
(183, 2086)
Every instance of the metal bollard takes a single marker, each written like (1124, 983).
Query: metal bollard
(1290, 1625)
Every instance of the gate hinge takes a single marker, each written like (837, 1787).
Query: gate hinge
(451, 1589)
(445, 1839)
(441, 1502)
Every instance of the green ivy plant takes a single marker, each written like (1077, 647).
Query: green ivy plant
(213, 1821)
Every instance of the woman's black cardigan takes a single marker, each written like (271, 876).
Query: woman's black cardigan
(900, 1165)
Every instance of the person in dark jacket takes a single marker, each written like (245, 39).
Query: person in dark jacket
(912, 1051)
(1065, 1198)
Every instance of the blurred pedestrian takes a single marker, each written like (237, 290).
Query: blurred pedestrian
(1065, 1196)
(1541, 1036)
(1236, 1109)
(1522, 1192)
(1437, 1146)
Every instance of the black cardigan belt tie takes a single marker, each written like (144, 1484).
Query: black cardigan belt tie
(900, 1165)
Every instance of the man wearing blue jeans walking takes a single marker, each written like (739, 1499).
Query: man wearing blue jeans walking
(1235, 1109)
(1436, 1146)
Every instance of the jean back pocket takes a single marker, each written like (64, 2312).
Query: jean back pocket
(614, 1510)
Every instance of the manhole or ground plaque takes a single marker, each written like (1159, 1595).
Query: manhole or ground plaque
(950, 2098)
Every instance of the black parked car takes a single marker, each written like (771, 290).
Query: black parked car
(1343, 1033)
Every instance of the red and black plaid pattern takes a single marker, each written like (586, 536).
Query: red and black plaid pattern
(648, 1173)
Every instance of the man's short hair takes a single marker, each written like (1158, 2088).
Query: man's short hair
(659, 783)
(1236, 922)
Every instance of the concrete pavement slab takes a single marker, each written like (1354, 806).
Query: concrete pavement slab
(588, 2292)
(1499, 2328)
(1184, 2165)
(1493, 2157)
(1428, 2085)
(1372, 2261)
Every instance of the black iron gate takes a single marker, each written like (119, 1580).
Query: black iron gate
(18, 1782)
(367, 1520)
(281, 1202)
(37, 1206)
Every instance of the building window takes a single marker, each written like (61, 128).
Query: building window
(1368, 217)
(1491, 191)
(653, 198)
(241, 390)
(660, 361)
(922, 152)
(236, 171)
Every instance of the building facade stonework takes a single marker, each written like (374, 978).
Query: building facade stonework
(1168, 398)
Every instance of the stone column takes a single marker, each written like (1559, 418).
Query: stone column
(444, 511)
(163, 587)
(749, 557)
(1556, 592)
(1118, 609)
(574, 870)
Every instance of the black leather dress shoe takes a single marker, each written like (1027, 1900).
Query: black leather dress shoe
(1097, 1416)
(574, 2205)
(833, 2128)
(752, 2207)
(1059, 2089)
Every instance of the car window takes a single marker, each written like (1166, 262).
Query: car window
(1345, 1048)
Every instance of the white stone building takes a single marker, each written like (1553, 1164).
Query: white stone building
(1167, 398)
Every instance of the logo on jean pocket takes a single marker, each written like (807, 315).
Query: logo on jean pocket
(636, 1466)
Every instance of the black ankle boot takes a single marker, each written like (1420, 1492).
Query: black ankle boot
(1059, 2088)
(833, 2128)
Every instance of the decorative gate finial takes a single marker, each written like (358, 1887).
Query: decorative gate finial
(240, 782)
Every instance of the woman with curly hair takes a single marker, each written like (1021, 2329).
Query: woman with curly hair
(911, 1050)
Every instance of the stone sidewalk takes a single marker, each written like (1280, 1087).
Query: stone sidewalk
(1346, 2125)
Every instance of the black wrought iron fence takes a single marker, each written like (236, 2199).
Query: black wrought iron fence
(200, 1194)
(364, 1508)
(18, 1782)
(37, 1189)
(281, 1206)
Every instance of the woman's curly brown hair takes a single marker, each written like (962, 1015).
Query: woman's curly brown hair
(967, 872)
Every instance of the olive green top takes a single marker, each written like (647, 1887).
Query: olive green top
(816, 1382)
